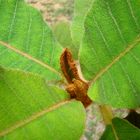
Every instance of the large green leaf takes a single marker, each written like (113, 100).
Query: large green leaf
(23, 27)
(81, 8)
(32, 110)
(109, 54)
(121, 130)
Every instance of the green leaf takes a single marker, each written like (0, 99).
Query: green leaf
(121, 130)
(30, 109)
(35, 49)
(109, 54)
(63, 35)
(81, 8)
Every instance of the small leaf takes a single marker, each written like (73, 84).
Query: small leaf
(121, 130)
(81, 8)
(109, 54)
(63, 35)
(30, 109)
(23, 28)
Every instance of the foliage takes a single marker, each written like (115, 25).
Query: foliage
(37, 110)
(105, 40)
(62, 33)
(120, 131)
(111, 41)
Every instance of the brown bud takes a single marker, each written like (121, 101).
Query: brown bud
(76, 87)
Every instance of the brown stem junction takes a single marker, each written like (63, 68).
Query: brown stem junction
(77, 88)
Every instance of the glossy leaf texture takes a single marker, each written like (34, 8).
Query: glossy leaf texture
(120, 130)
(109, 54)
(32, 110)
(23, 27)
(81, 7)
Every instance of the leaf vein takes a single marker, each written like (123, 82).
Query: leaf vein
(32, 118)
(28, 33)
(13, 20)
(29, 57)
(132, 14)
(116, 59)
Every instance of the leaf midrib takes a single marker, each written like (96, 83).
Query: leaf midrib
(29, 57)
(114, 132)
(33, 117)
(116, 59)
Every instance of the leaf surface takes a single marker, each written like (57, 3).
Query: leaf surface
(109, 53)
(81, 8)
(121, 130)
(62, 33)
(23, 28)
(30, 109)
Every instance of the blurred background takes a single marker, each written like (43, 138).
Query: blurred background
(54, 10)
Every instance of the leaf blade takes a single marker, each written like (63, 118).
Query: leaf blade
(23, 27)
(62, 33)
(81, 8)
(25, 105)
(123, 130)
(111, 61)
